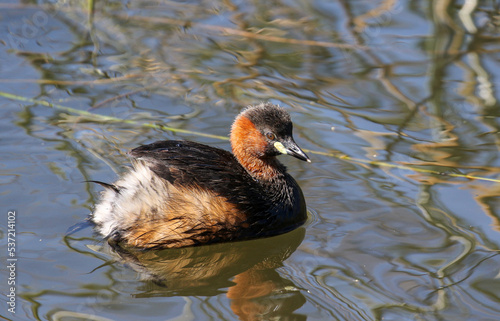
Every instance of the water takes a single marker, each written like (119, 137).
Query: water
(397, 102)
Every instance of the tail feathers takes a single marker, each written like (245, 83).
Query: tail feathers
(106, 185)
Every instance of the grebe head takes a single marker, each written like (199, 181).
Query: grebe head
(262, 132)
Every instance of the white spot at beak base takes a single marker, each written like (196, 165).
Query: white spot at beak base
(279, 146)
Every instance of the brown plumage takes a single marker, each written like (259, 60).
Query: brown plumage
(182, 193)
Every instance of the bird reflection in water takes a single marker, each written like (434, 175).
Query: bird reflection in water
(248, 269)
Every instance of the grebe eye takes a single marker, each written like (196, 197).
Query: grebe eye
(271, 136)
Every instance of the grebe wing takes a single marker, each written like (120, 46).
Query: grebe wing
(196, 165)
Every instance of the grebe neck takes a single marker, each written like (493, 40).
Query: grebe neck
(264, 170)
(249, 148)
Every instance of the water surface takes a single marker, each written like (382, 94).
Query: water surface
(395, 101)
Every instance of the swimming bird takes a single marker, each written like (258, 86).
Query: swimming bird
(183, 193)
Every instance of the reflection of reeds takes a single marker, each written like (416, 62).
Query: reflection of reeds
(269, 55)
(225, 31)
(86, 116)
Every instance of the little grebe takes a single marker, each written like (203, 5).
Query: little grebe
(182, 193)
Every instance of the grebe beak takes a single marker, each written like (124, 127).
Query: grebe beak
(289, 147)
